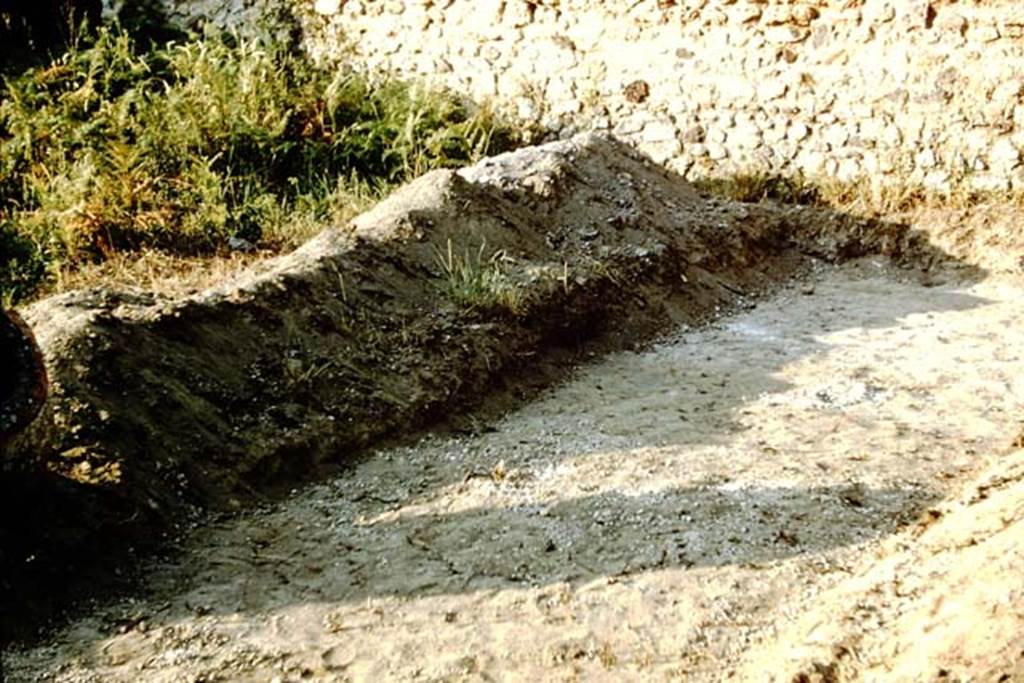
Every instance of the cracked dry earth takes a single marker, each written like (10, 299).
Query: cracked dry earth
(664, 514)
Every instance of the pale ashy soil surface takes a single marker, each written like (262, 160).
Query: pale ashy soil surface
(668, 513)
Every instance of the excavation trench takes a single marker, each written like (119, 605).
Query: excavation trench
(665, 512)
(821, 385)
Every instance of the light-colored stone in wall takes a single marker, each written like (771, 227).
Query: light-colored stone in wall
(924, 91)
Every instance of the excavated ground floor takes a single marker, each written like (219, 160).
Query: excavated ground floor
(823, 486)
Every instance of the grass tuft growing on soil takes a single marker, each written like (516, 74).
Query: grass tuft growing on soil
(475, 280)
(198, 147)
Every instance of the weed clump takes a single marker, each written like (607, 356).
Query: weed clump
(113, 148)
(474, 280)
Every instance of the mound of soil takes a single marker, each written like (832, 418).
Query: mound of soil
(161, 408)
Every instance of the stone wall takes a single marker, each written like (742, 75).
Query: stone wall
(885, 90)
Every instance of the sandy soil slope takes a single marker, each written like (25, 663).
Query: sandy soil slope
(799, 491)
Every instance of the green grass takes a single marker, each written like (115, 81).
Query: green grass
(475, 280)
(115, 148)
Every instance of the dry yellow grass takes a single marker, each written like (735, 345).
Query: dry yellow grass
(156, 271)
(865, 196)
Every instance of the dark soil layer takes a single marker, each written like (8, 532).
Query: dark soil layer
(419, 309)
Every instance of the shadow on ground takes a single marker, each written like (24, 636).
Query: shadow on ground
(696, 394)
(576, 541)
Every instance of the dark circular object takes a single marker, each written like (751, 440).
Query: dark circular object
(23, 380)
